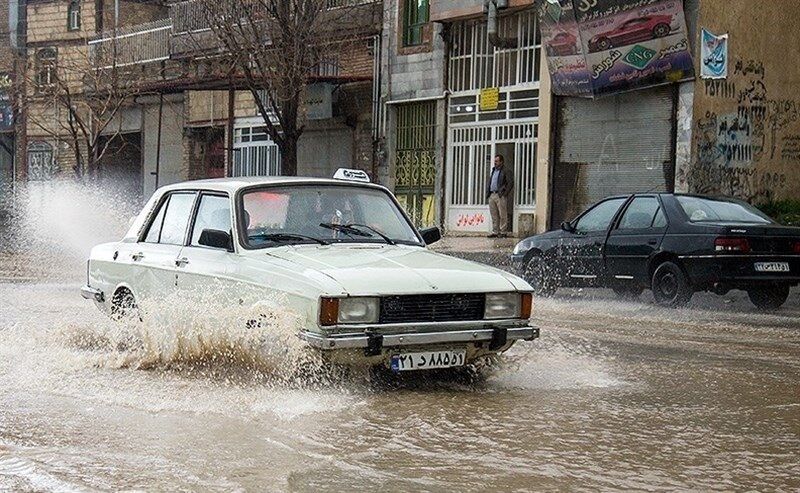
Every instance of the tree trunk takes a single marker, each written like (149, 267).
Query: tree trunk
(291, 133)
(289, 155)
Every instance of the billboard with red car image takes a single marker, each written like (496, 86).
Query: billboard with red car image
(625, 45)
(566, 60)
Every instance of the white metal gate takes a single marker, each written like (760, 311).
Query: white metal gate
(469, 165)
(255, 154)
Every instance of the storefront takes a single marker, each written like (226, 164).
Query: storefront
(614, 145)
(493, 109)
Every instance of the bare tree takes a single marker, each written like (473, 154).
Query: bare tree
(74, 97)
(273, 47)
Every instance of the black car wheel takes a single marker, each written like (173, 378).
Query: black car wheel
(123, 306)
(670, 286)
(603, 44)
(661, 30)
(628, 293)
(539, 276)
(769, 298)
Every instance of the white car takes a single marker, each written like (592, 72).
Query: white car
(341, 254)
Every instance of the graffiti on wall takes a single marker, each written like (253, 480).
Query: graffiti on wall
(733, 147)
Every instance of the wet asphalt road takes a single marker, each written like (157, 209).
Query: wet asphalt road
(614, 396)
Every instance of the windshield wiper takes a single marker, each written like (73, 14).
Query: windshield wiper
(354, 230)
(385, 238)
(283, 237)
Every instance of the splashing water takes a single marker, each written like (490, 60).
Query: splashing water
(57, 225)
(200, 333)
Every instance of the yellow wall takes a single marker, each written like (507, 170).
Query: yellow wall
(746, 128)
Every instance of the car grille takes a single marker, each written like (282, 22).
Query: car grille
(432, 308)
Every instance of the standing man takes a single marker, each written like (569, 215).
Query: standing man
(501, 187)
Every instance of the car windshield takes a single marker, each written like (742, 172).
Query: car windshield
(700, 210)
(274, 216)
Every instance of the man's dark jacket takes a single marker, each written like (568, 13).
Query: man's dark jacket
(505, 184)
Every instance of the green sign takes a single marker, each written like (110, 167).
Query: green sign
(639, 57)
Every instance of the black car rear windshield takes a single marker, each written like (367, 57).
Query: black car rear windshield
(704, 210)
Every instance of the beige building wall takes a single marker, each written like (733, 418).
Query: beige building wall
(453, 9)
(47, 22)
(746, 128)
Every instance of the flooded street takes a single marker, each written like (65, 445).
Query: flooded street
(613, 396)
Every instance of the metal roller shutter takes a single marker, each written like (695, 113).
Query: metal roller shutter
(610, 146)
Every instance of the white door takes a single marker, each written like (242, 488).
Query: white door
(153, 260)
(203, 272)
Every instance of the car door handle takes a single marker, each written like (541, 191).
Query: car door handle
(652, 242)
(182, 261)
(137, 256)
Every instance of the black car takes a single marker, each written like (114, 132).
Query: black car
(673, 244)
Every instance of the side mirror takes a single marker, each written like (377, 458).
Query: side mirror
(431, 235)
(216, 239)
(568, 227)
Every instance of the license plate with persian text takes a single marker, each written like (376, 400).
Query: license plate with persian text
(429, 360)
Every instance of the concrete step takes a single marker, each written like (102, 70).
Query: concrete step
(491, 251)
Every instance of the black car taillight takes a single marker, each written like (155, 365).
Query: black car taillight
(796, 248)
(738, 245)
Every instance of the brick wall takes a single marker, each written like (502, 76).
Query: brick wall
(356, 59)
(6, 53)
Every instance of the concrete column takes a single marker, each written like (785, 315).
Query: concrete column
(683, 141)
(545, 149)
(441, 160)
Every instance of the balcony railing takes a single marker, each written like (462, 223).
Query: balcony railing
(186, 33)
(142, 43)
(190, 16)
(336, 4)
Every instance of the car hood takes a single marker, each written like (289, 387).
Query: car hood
(397, 269)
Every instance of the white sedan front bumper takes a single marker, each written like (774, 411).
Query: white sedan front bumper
(373, 339)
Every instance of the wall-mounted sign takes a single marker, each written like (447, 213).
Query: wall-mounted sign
(714, 56)
(318, 101)
(490, 99)
(599, 47)
(6, 104)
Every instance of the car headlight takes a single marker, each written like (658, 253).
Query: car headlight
(356, 310)
(502, 305)
(522, 247)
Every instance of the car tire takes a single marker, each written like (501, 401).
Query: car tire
(769, 298)
(628, 293)
(604, 44)
(662, 30)
(671, 287)
(537, 274)
(124, 307)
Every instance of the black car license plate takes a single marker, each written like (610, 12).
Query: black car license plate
(772, 266)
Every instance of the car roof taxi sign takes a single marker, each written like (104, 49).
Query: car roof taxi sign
(351, 175)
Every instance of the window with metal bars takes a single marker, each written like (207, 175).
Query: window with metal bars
(476, 64)
(74, 16)
(47, 63)
(416, 14)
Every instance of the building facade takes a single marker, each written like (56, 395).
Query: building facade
(455, 98)
(425, 96)
(182, 121)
